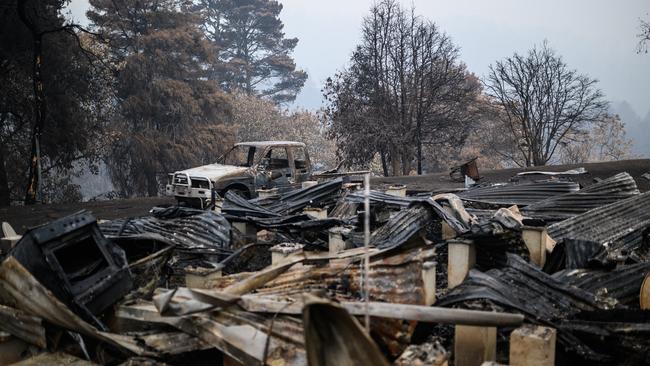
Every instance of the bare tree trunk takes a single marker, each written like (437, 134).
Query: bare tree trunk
(384, 164)
(5, 194)
(406, 162)
(419, 142)
(33, 181)
(394, 160)
(152, 184)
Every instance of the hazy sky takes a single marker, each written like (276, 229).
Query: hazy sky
(597, 37)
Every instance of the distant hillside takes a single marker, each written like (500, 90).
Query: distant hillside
(637, 128)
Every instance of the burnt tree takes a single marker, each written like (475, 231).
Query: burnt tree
(643, 36)
(169, 114)
(405, 88)
(543, 102)
(47, 109)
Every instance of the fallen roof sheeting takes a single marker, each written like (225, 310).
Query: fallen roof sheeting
(22, 325)
(610, 190)
(380, 197)
(20, 288)
(523, 287)
(547, 300)
(184, 228)
(236, 205)
(518, 194)
(185, 308)
(320, 195)
(249, 338)
(283, 210)
(422, 211)
(295, 222)
(401, 227)
(333, 337)
(622, 283)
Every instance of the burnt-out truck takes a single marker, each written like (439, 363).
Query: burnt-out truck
(245, 168)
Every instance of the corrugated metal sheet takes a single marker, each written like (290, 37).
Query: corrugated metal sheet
(523, 287)
(320, 195)
(519, 194)
(610, 190)
(408, 222)
(289, 203)
(237, 205)
(344, 209)
(622, 220)
(402, 227)
(250, 339)
(623, 283)
(295, 222)
(396, 279)
(381, 197)
(540, 297)
(196, 230)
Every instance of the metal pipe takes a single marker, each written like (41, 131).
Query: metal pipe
(366, 243)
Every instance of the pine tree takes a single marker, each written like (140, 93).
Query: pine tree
(165, 99)
(251, 44)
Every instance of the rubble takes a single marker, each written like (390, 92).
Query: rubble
(73, 260)
(530, 272)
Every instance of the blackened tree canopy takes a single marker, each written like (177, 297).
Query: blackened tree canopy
(169, 110)
(404, 89)
(49, 102)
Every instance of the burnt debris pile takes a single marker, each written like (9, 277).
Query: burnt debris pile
(534, 271)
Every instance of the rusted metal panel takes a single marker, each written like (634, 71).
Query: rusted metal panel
(395, 279)
(247, 338)
(23, 326)
(333, 337)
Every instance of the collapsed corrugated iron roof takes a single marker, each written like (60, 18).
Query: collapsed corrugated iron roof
(320, 195)
(518, 194)
(608, 223)
(248, 306)
(622, 283)
(547, 300)
(288, 203)
(380, 197)
(395, 279)
(409, 222)
(237, 205)
(610, 190)
(184, 228)
(402, 227)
